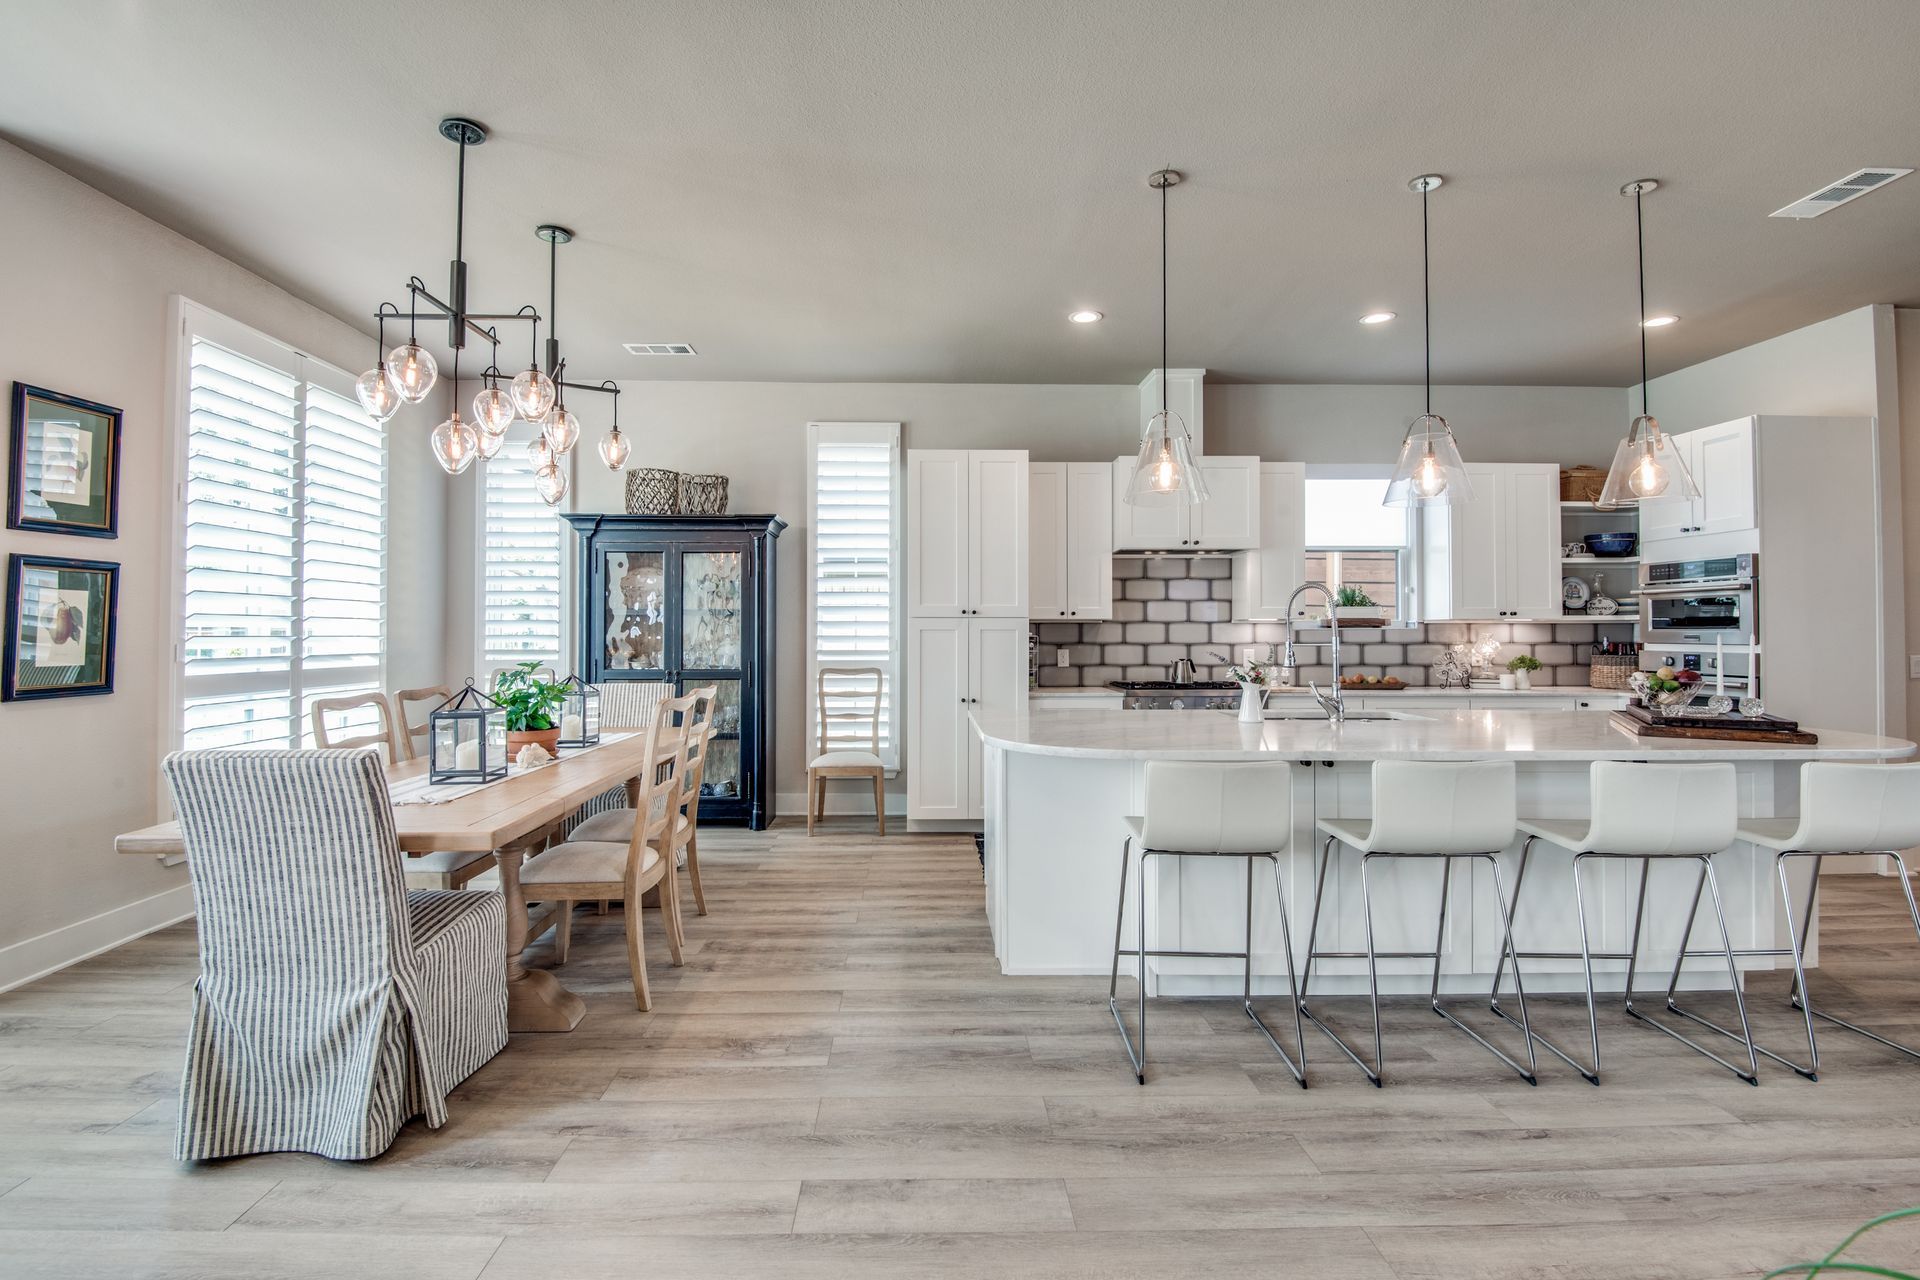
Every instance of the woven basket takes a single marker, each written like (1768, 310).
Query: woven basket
(1582, 484)
(653, 491)
(706, 495)
(1610, 670)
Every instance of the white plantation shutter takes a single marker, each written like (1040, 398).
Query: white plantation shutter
(854, 509)
(283, 541)
(521, 609)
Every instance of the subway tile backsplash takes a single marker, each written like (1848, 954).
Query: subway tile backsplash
(1168, 607)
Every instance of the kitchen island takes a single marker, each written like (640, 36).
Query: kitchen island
(1059, 779)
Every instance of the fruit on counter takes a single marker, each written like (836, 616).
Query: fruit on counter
(1665, 673)
(1687, 677)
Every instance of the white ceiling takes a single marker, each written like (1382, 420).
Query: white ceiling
(877, 190)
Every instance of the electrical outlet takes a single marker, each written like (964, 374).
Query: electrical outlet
(1913, 666)
(1059, 657)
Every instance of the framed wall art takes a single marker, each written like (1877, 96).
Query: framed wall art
(61, 619)
(65, 464)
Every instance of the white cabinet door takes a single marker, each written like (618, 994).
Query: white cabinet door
(997, 533)
(1477, 570)
(1048, 538)
(1532, 542)
(996, 679)
(1669, 517)
(1089, 541)
(1722, 458)
(939, 779)
(1229, 520)
(1263, 579)
(1158, 527)
(937, 513)
(1185, 396)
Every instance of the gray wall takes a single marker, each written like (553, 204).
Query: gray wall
(89, 283)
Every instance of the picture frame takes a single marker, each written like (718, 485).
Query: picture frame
(64, 464)
(62, 616)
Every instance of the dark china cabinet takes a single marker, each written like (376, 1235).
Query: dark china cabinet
(689, 600)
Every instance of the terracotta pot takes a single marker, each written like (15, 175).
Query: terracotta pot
(549, 740)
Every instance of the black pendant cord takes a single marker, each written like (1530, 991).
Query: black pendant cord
(1640, 242)
(413, 310)
(1164, 424)
(1426, 297)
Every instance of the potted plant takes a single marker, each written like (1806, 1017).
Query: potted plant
(532, 705)
(1353, 607)
(1522, 666)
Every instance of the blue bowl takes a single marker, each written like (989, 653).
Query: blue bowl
(1610, 544)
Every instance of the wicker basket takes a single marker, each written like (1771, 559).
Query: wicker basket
(1610, 670)
(706, 495)
(653, 491)
(1582, 484)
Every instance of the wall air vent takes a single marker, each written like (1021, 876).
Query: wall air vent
(659, 349)
(1851, 187)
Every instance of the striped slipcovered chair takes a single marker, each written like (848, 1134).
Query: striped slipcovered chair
(332, 1005)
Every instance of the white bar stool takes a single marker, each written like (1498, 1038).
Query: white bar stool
(1209, 811)
(1648, 813)
(1425, 809)
(1844, 808)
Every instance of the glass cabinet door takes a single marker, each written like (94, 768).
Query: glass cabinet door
(722, 775)
(633, 616)
(710, 598)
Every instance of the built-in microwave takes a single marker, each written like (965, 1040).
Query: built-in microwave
(1688, 604)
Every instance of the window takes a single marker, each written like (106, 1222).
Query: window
(853, 509)
(522, 569)
(1353, 541)
(283, 538)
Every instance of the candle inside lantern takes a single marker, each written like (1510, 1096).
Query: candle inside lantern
(570, 728)
(467, 755)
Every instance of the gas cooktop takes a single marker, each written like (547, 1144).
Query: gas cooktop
(1168, 686)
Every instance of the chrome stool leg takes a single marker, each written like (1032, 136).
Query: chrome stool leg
(1299, 1069)
(1530, 1072)
(1705, 880)
(1373, 978)
(1590, 1074)
(1139, 1060)
(1799, 996)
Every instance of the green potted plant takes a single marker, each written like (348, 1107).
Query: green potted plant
(1353, 607)
(532, 705)
(1522, 666)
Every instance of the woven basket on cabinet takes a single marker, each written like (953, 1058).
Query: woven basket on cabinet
(706, 495)
(653, 491)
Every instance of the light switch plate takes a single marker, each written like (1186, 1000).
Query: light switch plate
(1059, 657)
(1913, 666)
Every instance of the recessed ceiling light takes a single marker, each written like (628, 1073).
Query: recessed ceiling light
(1376, 317)
(1658, 322)
(1083, 317)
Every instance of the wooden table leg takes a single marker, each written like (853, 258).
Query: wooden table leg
(536, 1000)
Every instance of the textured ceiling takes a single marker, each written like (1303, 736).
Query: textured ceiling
(871, 189)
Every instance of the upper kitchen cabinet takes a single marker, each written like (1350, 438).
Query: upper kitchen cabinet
(1264, 578)
(1229, 520)
(1721, 460)
(1070, 540)
(1497, 555)
(967, 533)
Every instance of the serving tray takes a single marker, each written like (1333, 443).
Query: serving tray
(1641, 723)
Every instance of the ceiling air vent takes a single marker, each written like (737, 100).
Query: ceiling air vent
(1851, 187)
(659, 349)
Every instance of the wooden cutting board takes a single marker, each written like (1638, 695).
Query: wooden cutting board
(1642, 725)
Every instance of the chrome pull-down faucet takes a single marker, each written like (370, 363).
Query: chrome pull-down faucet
(1334, 705)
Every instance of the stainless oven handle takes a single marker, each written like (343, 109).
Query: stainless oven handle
(1691, 588)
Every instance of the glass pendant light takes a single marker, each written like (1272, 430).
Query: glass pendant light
(538, 453)
(493, 409)
(533, 393)
(1646, 467)
(614, 449)
(491, 442)
(1165, 472)
(550, 482)
(561, 428)
(374, 389)
(1428, 471)
(455, 444)
(411, 366)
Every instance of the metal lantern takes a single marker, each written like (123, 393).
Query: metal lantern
(467, 739)
(579, 714)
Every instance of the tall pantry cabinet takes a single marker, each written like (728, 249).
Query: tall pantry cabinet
(967, 590)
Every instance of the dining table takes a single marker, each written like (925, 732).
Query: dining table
(512, 819)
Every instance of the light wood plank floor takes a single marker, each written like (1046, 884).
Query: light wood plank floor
(839, 1084)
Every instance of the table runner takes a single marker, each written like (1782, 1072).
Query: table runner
(418, 790)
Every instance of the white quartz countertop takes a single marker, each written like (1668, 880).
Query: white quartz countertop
(1416, 691)
(1425, 733)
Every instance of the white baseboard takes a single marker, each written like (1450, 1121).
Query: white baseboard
(51, 952)
(793, 804)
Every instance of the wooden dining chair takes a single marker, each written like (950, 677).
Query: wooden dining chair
(442, 868)
(385, 736)
(583, 870)
(853, 698)
(434, 696)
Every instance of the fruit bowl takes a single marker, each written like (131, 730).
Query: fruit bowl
(1658, 693)
(1610, 544)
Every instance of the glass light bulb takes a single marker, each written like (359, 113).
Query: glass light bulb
(538, 452)
(413, 370)
(1163, 473)
(455, 444)
(561, 429)
(492, 409)
(1429, 481)
(376, 393)
(614, 449)
(1648, 479)
(551, 484)
(533, 394)
(491, 443)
